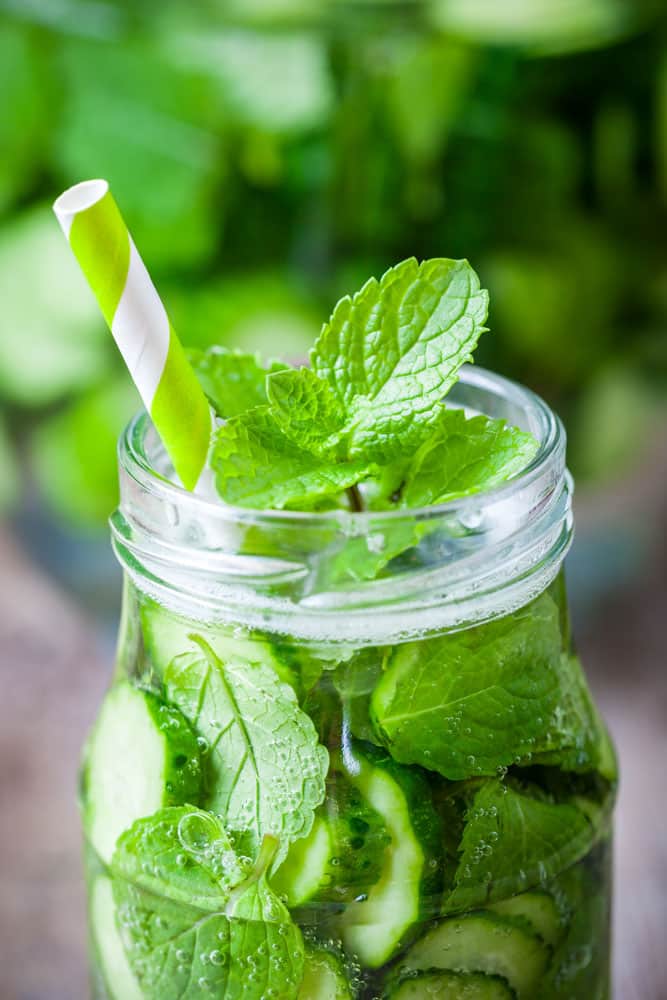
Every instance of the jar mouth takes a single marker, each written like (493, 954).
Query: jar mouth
(363, 577)
(142, 456)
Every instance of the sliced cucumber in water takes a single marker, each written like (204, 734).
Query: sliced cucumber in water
(303, 873)
(376, 927)
(323, 977)
(142, 755)
(344, 853)
(167, 635)
(483, 942)
(452, 986)
(538, 909)
(119, 979)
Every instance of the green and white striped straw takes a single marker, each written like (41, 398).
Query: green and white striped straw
(168, 386)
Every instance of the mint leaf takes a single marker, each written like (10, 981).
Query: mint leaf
(468, 703)
(233, 381)
(307, 410)
(513, 839)
(195, 920)
(584, 744)
(191, 857)
(393, 350)
(460, 457)
(257, 465)
(266, 769)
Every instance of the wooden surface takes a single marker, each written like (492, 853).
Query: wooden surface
(53, 678)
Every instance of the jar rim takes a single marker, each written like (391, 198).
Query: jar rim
(545, 426)
(380, 575)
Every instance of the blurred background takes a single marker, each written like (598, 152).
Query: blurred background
(268, 156)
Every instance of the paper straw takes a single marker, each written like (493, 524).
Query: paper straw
(100, 241)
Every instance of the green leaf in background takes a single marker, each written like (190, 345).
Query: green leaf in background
(424, 116)
(53, 339)
(131, 118)
(266, 767)
(10, 481)
(554, 325)
(194, 918)
(512, 833)
(273, 82)
(250, 311)
(233, 381)
(74, 454)
(614, 417)
(26, 120)
(541, 26)
(276, 11)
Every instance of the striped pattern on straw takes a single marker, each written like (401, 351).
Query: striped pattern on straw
(168, 386)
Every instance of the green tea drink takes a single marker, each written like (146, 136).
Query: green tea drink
(349, 751)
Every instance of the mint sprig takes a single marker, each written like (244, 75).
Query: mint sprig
(380, 369)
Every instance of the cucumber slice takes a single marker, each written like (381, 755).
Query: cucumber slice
(303, 873)
(375, 928)
(167, 635)
(142, 755)
(323, 977)
(343, 855)
(453, 986)
(118, 976)
(483, 942)
(539, 909)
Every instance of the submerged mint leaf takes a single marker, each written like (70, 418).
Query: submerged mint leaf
(583, 744)
(257, 465)
(191, 857)
(233, 381)
(393, 350)
(194, 916)
(460, 457)
(527, 838)
(475, 702)
(266, 769)
(468, 703)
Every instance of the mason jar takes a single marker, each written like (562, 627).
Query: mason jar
(349, 754)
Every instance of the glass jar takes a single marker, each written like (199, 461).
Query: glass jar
(349, 754)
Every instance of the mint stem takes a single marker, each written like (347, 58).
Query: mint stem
(267, 852)
(355, 498)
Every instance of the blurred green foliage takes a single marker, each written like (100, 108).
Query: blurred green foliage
(270, 154)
